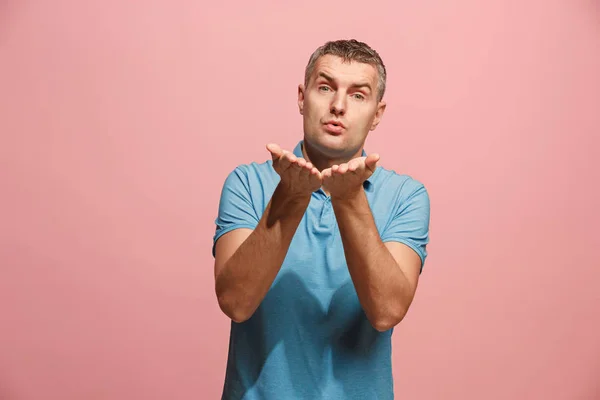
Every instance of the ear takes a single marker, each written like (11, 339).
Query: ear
(378, 115)
(301, 99)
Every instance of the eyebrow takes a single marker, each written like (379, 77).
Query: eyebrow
(355, 85)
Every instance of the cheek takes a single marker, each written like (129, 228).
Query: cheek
(369, 117)
(311, 110)
(363, 121)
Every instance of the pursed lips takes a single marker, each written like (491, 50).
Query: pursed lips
(335, 127)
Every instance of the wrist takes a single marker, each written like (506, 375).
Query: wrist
(292, 196)
(350, 199)
(290, 201)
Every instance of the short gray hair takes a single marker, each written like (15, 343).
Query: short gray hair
(350, 50)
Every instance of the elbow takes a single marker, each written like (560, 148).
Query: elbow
(382, 325)
(386, 321)
(239, 317)
(231, 307)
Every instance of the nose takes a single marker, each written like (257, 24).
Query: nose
(338, 104)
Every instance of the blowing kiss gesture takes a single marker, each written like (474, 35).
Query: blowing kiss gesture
(300, 177)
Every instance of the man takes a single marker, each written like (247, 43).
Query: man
(318, 251)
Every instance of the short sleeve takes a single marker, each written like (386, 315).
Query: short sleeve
(410, 222)
(235, 206)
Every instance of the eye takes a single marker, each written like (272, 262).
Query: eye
(324, 88)
(358, 96)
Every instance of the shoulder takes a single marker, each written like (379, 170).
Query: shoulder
(254, 169)
(252, 174)
(399, 186)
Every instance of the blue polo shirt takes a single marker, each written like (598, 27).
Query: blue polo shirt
(310, 338)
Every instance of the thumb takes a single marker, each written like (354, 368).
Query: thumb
(371, 161)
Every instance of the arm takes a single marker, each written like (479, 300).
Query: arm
(385, 275)
(248, 260)
(384, 269)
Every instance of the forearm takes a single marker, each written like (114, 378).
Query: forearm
(249, 273)
(382, 288)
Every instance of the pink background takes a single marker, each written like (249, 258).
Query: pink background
(120, 122)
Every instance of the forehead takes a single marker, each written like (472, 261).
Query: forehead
(345, 71)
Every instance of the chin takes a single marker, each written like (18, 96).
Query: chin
(329, 145)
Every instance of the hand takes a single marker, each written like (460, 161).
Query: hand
(345, 180)
(298, 176)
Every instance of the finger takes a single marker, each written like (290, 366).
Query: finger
(285, 160)
(356, 164)
(342, 169)
(275, 150)
(304, 172)
(291, 156)
(326, 173)
(294, 161)
(315, 176)
(334, 168)
(371, 161)
(311, 170)
(301, 163)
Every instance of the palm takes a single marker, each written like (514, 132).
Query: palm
(345, 179)
(298, 176)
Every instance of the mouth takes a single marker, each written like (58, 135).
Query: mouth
(334, 127)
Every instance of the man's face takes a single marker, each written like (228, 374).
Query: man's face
(339, 107)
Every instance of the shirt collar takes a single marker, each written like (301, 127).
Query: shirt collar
(298, 153)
